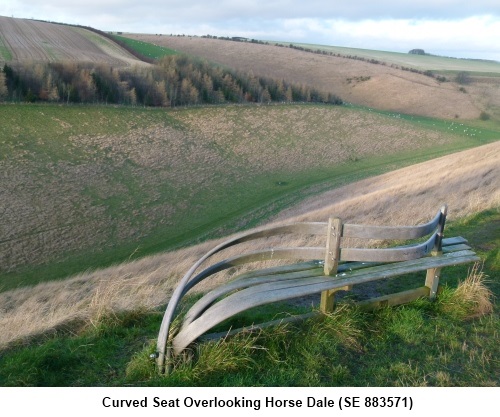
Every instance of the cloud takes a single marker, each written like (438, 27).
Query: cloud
(210, 11)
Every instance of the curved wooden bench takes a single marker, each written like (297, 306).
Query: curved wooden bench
(326, 270)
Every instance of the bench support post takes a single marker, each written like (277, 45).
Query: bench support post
(432, 281)
(433, 274)
(332, 255)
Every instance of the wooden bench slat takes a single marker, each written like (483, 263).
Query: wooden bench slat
(397, 254)
(390, 232)
(281, 269)
(280, 273)
(256, 256)
(208, 299)
(448, 241)
(455, 248)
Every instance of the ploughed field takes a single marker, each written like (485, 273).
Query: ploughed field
(23, 40)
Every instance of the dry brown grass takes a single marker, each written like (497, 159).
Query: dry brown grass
(475, 293)
(384, 87)
(472, 298)
(468, 181)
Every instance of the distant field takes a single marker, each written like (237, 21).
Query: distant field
(386, 87)
(421, 62)
(86, 186)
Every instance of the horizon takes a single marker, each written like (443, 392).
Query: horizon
(260, 40)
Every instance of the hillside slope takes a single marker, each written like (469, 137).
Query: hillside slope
(359, 82)
(24, 40)
(89, 181)
(468, 181)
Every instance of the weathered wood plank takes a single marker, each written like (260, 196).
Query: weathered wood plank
(448, 241)
(394, 299)
(281, 269)
(208, 299)
(332, 250)
(256, 256)
(391, 232)
(332, 257)
(455, 248)
(397, 254)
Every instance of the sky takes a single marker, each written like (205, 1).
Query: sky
(456, 28)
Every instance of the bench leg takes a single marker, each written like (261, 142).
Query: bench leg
(432, 281)
(327, 303)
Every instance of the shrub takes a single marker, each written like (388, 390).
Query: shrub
(484, 116)
(463, 77)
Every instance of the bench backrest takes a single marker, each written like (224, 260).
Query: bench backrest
(338, 233)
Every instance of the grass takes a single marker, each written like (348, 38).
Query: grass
(129, 174)
(5, 54)
(146, 49)
(449, 342)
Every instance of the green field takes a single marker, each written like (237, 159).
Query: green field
(146, 49)
(90, 186)
(5, 54)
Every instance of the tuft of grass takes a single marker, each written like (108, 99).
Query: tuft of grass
(472, 298)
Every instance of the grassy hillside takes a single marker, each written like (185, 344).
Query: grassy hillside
(467, 181)
(87, 186)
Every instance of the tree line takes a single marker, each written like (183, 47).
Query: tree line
(176, 80)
